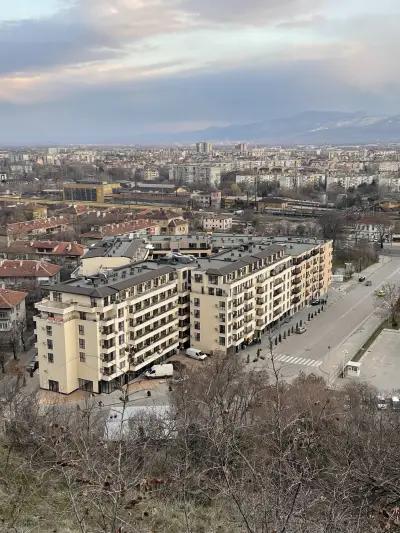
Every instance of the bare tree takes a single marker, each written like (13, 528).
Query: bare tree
(388, 301)
(332, 226)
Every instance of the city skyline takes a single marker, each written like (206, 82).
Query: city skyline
(130, 71)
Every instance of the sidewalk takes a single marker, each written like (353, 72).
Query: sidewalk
(367, 272)
(348, 348)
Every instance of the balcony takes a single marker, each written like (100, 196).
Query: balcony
(260, 290)
(277, 292)
(248, 296)
(107, 372)
(260, 301)
(278, 281)
(296, 290)
(296, 299)
(108, 358)
(296, 271)
(107, 347)
(248, 308)
(108, 333)
(296, 281)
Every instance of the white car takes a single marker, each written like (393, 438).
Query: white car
(196, 354)
(381, 402)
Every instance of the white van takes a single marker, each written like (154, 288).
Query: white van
(395, 403)
(160, 371)
(196, 354)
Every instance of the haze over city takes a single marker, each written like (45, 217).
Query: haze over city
(94, 71)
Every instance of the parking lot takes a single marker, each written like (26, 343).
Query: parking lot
(380, 366)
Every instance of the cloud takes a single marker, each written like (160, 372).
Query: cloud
(153, 110)
(85, 31)
(163, 64)
(256, 12)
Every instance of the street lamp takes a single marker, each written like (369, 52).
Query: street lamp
(346, 353)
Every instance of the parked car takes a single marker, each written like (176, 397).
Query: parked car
(315, 301)
(395, 403)
(381, 402)
(196, 354)
(362, 278)
(301, 329)
(380, 293)
(368, 283)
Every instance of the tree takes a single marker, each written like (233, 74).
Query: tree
(332, 226)
(388, 302)
(383, 229)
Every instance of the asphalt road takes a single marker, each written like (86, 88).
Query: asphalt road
(334, 335)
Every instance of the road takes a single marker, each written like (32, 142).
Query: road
(335, 334)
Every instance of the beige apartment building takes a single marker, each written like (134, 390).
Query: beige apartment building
(99, 332)
(238, 295)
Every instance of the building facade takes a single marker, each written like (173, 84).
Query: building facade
(99, 332)
(217, 223)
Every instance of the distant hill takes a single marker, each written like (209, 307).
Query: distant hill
(311, 127)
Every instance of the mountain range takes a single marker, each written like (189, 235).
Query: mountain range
(311, 127)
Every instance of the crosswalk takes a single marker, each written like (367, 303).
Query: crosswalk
(293, 360)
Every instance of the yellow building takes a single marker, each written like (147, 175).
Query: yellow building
(89, 191)
(99, 332)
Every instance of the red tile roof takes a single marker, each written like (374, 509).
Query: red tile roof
(9, 299)
(110, 230)
(28, 268)
(57, 248)
(38, 224)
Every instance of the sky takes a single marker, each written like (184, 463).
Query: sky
(128, 71)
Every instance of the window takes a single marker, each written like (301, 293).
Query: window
(50, 357)
(121, 326)
(122, 365)
(196, 301)
(82, 357)
(121, 339)
(49, 331)
(81, 330)
(197, 336)
(120, 313)
(222, 329)
(82, 344)
(197, 325)
(222, 341)
(82, 316)
(49, 344)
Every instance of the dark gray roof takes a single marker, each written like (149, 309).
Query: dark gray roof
(231, 266)
(92, 292)
(82, 286)
(137, 279)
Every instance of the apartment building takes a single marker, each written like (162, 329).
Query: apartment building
(238, 295)
(12, 310)
(204, 148)
(195, 173)
(217, 222)
(99, 332)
